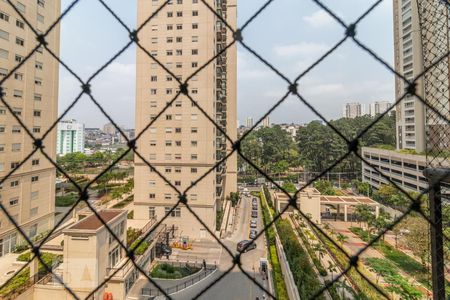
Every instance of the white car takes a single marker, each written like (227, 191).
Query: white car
(253, 224)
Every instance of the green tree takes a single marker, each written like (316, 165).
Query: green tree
(341, 238)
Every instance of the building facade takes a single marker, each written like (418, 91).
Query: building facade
(404, 169)
(249, 122)
(410, 113)
(32, 92)
(352, 110)
(378, 107)
(266, 122)
(183, 144)
(70, 137)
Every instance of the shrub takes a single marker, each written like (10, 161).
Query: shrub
(66, 200)
(167, 271)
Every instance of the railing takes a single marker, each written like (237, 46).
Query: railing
(153, 292)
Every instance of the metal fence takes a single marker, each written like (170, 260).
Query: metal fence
(436, 68)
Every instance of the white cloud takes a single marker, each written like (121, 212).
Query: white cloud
(319, 18)
(302, 49)
(247, 70)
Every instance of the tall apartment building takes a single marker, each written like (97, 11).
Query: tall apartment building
(249, 122)
(352, 110)
(70, 137)
(410, 118)
(378, 107)
(266, 122)
(183, 144)
(32, 91)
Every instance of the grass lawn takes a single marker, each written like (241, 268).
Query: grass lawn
(66, 200)
(166, 271)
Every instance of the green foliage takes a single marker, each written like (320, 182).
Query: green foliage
(167, 271)
(132, 235)
(124, 203)
(270, 148)
(26, 256)
(219, 217)
(18, 282)
(280, 286)
(325, 187)
(289, 187)
(234, 198)
(362, 188)
(312, 251)
(397, 283)
(302, 271)
(66, 200)
(141, 248)
(320, 146)
(364, 289)
(267, 196)
(130, 214)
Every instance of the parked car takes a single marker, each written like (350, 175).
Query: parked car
(254, 207)
(252, 234)
(242, 244)
(253, 224)
(254, 213)
(254, 201)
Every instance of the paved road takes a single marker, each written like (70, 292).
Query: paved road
(235, 285)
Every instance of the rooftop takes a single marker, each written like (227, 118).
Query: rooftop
(93, 222)
(354, 200)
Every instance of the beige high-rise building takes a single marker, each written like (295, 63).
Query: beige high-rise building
(32, 92)
(410, 112)
(352, 110)
(183, 144)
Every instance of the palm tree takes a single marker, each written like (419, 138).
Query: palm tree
(331, 269)
(341, 238)
(320, 250)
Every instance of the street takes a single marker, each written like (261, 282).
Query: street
(235, 285)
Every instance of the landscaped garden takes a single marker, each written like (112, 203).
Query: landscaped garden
(168, 271)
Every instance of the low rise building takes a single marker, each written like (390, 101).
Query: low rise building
(70, 137)
(404, 169)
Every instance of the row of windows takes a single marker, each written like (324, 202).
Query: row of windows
(177, 26)
(168, 156)
(15, 147)
(169, 143)
(18, 129)
(176, 170)
(175, 129)
(170, 91)
(395, 162)
(14, 201)
(175, 213)
(169, 66)
(15, 164)
(156, 2)
(18, 112)
(170, 14)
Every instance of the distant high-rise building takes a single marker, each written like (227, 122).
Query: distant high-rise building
(249, 122)
(378, 107)
(70, 137)
(109, 129)
(29, 193)
(183, 144)
(352, 110)
(266, 122)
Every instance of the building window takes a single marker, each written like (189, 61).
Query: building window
(177, 130)
(18, 58)
(179, 13)
(151, 196)
(152, 183)
(179, 52)
(18, 76)
(194, 64)
(33, 212)
(167, 196)
(114, 257)
(34, 195)
(168, 170)
(4, 35)
(152, 143)
(194, 156)
(14, 164)
(36, 113)
(38, 65)
(193, 197)
(20, 41)
(194, 51)
(41, 3)
(177, 157)
(152, 156)
(17, 94)
(168, 117)
(14, 201)
(179, 26)
(195, 13)
(4, 16)
(168, 129)
(177, 183)
(35, 162)
(16, 129)
(169, 27)
(194, 26)
(2, 148)
(4, 72)
(34, 178)
(175, 213)
(178, 117)
(37, 97)
(40, 18)
(195, 39)
(15, 147)
(152, 91)
(194, 143)
(38, 81)
(168, 143)
(154, 78)
(14, 183)
(194, 116)
(193, 170)
(179, 65)
(177, 169)
(151, 212)
(2, 111)
(169, 52)
(194, 129)
(169, 14)
(36, 129)
(179, 39)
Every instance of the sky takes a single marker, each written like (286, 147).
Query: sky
(290, 34)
